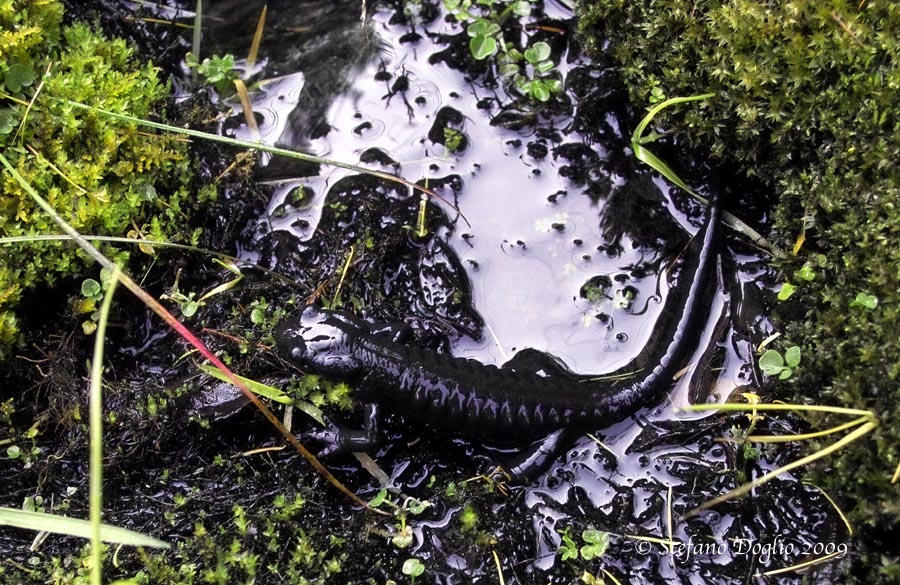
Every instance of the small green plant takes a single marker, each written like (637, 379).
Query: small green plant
(19, 76)
(413, 567)
(772, 363)
(186, 302)
(103, 173)
(595, 544)
(321, 392)
(189, 304)
(483, 35)
(806, 273)
(787, 291)
(568, 550)
(468, 518)
(92, 293)
(530, 72)
(657, 95)
(864, 301)
(453, 139)
(217, 71)
(539, 84)
(402, 537)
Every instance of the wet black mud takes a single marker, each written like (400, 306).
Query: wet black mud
(551, 235)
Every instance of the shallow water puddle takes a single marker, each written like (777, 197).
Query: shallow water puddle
(535, 238)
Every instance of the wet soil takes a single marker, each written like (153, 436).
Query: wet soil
(550, 236)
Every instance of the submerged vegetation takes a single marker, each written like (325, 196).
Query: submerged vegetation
(806, 104)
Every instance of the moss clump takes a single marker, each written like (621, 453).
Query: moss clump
(806, 101)
(103, 176)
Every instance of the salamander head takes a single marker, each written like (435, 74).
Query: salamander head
(320, 340)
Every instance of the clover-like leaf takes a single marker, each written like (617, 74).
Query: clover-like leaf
(7, 121)
(403, 539)
(482, 47)
(189, 308)
(413, 567)
(539, 90)
(521, 8)
(806, 273)
(19, 75)
(544, 66)
(483, 28)
(509, 69)
(540, 51)
(554, 85)
(90, 288)
(597, 543)
(792, 357)
(771, 362)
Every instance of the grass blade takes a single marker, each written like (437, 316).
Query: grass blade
(96, 438)
(256, 146)
(247, 106)
(266, 148)
(138, 241)
(259, 388)
(74, 527)
(860, 432)
(645, 156)
(198, 36)
(257, 37)
(734, 407)
(638, 134)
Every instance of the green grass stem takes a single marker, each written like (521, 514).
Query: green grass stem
(257, 37)
(788, 407)
(258, 388)
(807, 436)
(335, 299)
(866, 422)
(642, 154)
(197, 37)
(132, 241)
(95, 465)
(858, 433)
(264, 148)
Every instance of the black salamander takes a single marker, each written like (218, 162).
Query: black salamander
(533, 399)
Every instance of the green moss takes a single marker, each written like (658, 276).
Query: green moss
(806, 97)
(103, 176)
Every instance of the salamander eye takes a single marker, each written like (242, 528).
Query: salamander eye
(328, 351)
(321, 341)
(321, 344)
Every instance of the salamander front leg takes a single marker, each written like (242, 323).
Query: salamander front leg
(338, 440)
(538, 456)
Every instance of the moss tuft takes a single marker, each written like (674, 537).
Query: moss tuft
(806, 97)
(103, 176)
